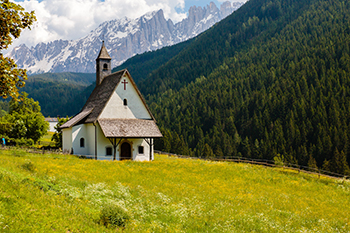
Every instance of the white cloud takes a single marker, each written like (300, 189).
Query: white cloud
(73, 19)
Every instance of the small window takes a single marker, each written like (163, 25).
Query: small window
(105, 66)
(140, 149)
(108, 151)
(82, 142)
(125, 102)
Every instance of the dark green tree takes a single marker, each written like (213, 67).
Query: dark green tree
(207, 151)
(339, 163)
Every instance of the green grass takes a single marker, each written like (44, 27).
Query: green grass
(51, 192)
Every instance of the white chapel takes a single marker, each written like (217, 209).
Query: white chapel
(115, 122)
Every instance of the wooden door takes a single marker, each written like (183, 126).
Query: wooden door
(125, 151)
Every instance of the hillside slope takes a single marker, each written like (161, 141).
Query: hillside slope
(142, 65)
(166, 195)
(270, 80)
(59, 94)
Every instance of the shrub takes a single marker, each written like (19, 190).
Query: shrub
(24, 142)
(29, 166)
(113, 215)
(279, 160)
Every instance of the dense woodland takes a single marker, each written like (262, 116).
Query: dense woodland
(272, 79)
(59, 94)
(280, 85)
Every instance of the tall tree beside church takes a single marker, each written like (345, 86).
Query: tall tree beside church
(13, 19)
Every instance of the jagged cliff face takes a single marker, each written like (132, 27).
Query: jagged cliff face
(124, 38)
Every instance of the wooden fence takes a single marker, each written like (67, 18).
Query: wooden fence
(266, 163)
(36, 150)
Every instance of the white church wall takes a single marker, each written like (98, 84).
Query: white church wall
(79, 132)
(102, 144)
(67, 140)
(115, 109)
(136, 155)
(90, 139)
(72, 136)
(134, 109)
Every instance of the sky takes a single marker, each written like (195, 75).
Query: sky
(74, 19)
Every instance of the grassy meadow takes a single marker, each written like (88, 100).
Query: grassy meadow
(62, 193)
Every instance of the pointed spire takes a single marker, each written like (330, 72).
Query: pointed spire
(103, 65)
(103, 52)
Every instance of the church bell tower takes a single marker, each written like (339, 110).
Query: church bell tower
(103, 64)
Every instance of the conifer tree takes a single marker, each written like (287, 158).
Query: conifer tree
(312, 162)
(339, 163)
(207, 151)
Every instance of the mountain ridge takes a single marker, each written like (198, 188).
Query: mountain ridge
(124, 38)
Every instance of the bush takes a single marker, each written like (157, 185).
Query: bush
(29, 166)
(279, 160)
(113, 215)
(24, 142)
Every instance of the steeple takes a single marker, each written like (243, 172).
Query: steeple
(103, 64)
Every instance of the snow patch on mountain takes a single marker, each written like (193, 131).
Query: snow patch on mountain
(123, 37)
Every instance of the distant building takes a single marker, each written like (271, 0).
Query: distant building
(115, 122)
(53, 122)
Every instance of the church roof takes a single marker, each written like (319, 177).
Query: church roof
(98, 100)
(129, 128)
(77, 118)
(103, 53)
(101, 94)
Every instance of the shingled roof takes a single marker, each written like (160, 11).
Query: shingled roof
(103, 53)
(113, 127)
(101, 94)
(77, 118)
(129, 128)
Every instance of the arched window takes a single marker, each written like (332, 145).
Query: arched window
(125, 102)
(105, 66)
(82, 142)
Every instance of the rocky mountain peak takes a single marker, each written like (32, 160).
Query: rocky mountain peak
(123, 37)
